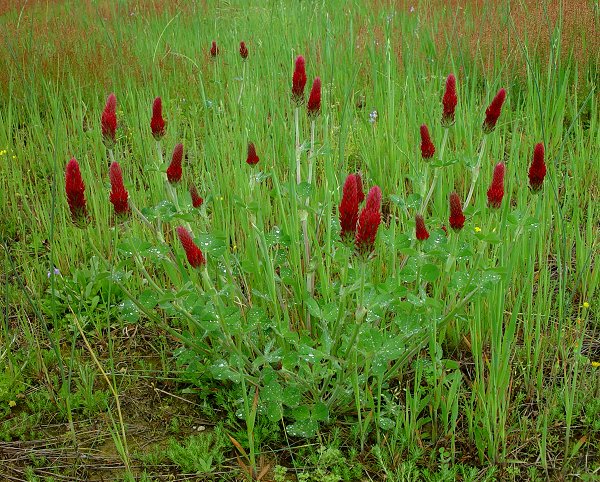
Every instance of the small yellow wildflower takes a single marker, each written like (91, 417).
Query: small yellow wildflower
(596, 364)
(12, 404)
(477, 229)
(586, 304)
(14, 157)
(221, 198)
(2, 152)
(234, 247)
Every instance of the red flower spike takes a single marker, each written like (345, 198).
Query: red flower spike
(157, 124)
(214, 50)
(193, 252)
(496, 191)
(420, 229)
(427, 147)
(314, 99)
(493, 111)
(75, 188)
(118, 193)
(243, 50)
(369, 221)
(174, 171)
(109, 119)
(537, 171)
(359, 188)
(457, 218)
(299, 80)
(445, 229)
(252, 158)
(449, 101)
(349, 206)
(196, 199)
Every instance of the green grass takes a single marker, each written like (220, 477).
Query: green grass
(471, 355)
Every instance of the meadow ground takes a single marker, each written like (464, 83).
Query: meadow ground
(318, 337)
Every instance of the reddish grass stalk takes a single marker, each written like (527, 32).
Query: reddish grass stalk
(214, 50)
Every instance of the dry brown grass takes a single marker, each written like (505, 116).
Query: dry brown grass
(491, 29)
(56, 37)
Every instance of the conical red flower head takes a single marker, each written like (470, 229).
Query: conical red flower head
(537, 171)
(457, 218)
(299, 80)
(196, 199)
(75, 189)
(420, 229)
(174, 170)
(359, 188)
(252, 158)
(109, 119)
(214, 50)
(157, 124)
(427, 147)
(193, 253)
(243, 50)
(349, 206)
(496, 191)
(369, 221)
(493, 111)
(118, 193)
(314, 99)
(449, 101)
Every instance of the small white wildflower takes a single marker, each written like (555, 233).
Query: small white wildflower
(373, 117)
